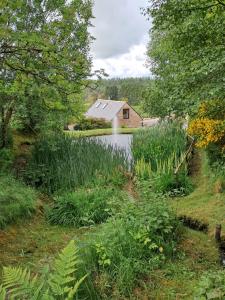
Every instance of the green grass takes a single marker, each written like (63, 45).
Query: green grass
(178, 278)
(16, 200)
(96, 132)
(62, 163)
(157, 152)
(204, 203)
(158, 144)
(131, 245)
(86, 207)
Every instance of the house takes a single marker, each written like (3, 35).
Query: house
(109, 110)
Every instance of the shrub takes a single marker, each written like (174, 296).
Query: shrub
(92, 123)
(61, 283)
(16, 200)
(85, 207)
(132, 244)
(62, 163)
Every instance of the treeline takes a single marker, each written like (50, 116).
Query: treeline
(128, 89)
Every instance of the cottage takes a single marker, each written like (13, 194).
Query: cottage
(109, 110)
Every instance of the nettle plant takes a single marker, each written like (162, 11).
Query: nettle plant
(60, 283)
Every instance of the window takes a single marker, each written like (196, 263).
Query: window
(126, 113)
(98, 104)
(104, 105)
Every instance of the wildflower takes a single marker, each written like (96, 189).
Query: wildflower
(161, 249)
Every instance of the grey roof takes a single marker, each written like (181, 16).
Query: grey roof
(105, 109)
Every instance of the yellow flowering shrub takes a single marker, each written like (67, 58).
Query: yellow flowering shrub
(209, 126)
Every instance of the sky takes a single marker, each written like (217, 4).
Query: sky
(121, 33)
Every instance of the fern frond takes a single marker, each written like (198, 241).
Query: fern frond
(74, 290)
(2, 293)
(20, 283)
(65, 266)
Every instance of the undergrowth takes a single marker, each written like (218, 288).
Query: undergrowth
(86, 207)
(16, 200)
(131, 245)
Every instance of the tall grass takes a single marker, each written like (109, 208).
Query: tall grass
(16, 200)
(157, 151)
(62, 163)
(159, 143)
(86, 207)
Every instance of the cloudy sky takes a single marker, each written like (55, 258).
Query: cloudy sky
(121, 33)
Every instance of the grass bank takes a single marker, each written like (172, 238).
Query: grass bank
(205, 203)
(97, 132)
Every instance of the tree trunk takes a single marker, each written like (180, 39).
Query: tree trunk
(5, 119)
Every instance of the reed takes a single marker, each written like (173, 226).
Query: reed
(157, 152)
(159, 144)
(62, 163)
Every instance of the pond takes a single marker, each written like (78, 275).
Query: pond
(121, 141)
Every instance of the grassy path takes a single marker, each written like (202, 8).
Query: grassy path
(198, 251)
(203, 204)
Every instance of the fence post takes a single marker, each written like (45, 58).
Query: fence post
(218, 232)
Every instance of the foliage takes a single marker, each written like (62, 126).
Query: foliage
(209, 125)
(159, 143)
(186, 55)
(6, 160)
(130, 89)
(211, 286)
(61, 283)
(44, 60)
(111, 92)
(16, 200)
(132, 244)
(85, 207)
(157, 152)
(60, 162)
(92, 123)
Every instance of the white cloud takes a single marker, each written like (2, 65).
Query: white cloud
(130, 64)
(121, 33)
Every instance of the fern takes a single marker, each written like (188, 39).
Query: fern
(61, 284)
(63, 275)
(2, 293)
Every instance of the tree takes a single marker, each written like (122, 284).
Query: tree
(112, 92)
(186, 54)
(44, 53)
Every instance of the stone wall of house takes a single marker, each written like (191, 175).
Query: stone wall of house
(134, 119)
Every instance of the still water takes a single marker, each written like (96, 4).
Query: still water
(121, 141)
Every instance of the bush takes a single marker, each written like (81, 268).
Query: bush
(92, 123)
(62, 163)
(16, 200)
(132, 244)
(85, 207)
